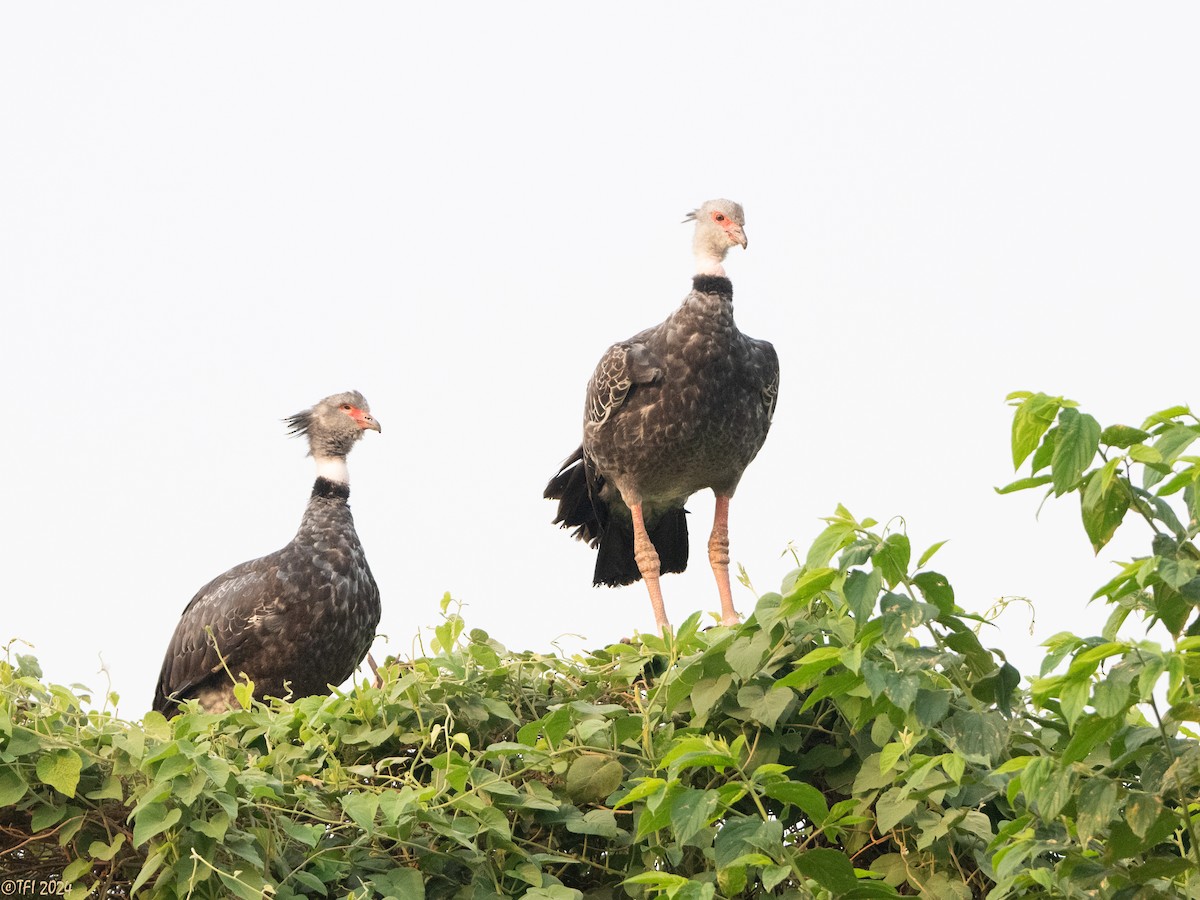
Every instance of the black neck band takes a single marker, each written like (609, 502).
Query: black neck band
(323, 487)
(713, 284)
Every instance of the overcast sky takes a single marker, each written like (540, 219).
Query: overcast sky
(213, 215)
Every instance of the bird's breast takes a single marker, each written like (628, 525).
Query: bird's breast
(698, 427)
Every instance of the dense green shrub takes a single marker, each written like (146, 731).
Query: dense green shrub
(853, 738)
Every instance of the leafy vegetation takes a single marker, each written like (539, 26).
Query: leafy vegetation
(853, 738)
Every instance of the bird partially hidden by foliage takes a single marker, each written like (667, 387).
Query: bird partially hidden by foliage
(299, 619)
(677, 408)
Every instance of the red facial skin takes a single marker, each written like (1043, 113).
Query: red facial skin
(730, 227)
(364, 419)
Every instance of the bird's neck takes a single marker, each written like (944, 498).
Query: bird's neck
(326, 516)
(711, 299)
(333, 468)
(713, 284)
(326, 489)
(708, 262)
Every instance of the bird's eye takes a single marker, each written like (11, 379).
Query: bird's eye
(719, 217)
(347, 407)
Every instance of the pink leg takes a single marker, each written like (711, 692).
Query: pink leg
(718, 558)
(647, 562)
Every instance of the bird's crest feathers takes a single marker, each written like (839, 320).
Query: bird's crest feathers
(299, 423)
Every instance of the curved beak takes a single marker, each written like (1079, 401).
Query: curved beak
(365, 420)
(737, 235)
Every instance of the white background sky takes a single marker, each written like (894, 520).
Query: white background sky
(212, 216)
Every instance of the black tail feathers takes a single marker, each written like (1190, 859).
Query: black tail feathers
(615, 564)
(577, 488)
(577, 507)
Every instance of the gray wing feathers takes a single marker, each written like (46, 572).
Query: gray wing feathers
(224, 606)
(770, 391)
(623, 367)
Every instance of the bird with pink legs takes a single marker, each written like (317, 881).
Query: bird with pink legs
(678, 408)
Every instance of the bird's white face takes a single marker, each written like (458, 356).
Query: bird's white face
(729, 226)
(719, 226)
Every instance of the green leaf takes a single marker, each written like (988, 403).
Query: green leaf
(556, 725)
(931, 706)
(110, 790)
(773, 876)
(736, 839)
(60, 769)
(217, 824)
(552, 892)
(807, 586)
(247, 885)
(1044, 455)
(45, 816)
(954, 766)
(862, 590)
(829, 868)
(828, 543)
(1142, 810)
(310, 882)
(811, 665)
(1078, 441)
(659, 880)
(593, 777)
(1164, 416)
(1122, 436)
(361, 807)
(1184, 478)
(936, 589)
(1030, 422)
(890, 755)
(804, 797)
(1122, 842)
(999, 686)
(76, 870)
(745, 656)
(698, 752)
(1023, 484)
(1170, 444)
(978, 735)
(1096, 806)
(1057, 791)
(892, 807)
(892, 557)
(243, 693)
(691, 811)
(928, 554)
(12, 787)
(708, 691)
(1176, 572)
(600, 822)
(152, 864)
(1103, 507)
(893, 867)
(103, 852)
(646, 788)
(1090, 732)
(768, 706)
(1160, 868)
(153, 820)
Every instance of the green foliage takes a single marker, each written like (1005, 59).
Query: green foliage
(853, 738)
(1109, 784)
